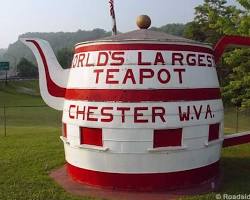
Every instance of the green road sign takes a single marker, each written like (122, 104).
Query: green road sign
(4, 66)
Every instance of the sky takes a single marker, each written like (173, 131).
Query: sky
(18, 17)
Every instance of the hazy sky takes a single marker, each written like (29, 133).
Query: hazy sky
(21, 16)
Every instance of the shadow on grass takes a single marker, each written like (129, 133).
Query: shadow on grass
(236, 175)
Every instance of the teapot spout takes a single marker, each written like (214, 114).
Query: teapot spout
(52, 77)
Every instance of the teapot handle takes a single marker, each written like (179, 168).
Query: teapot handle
(229, 40)
(236, 139)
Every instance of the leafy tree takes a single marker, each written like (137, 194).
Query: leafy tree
(213, 19)
(194, 31)
(245, 4)
(26, 69)
(237, 91)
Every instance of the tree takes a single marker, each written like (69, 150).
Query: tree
(26, 69)
(237, 91)
(65, 56)
(212, 20)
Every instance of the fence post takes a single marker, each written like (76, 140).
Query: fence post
(4, 119)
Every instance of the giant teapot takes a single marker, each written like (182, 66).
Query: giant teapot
(141, 110)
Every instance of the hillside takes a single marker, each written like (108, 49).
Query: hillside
(17, 93)
(173, 29)
(60, 40)
(2, 52)
(57, 40)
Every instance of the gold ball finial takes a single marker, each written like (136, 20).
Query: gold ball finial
(143, 21)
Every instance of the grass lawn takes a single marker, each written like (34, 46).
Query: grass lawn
(32, 149)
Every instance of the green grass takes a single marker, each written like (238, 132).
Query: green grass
(13, 93)
(32, 149)
(235, 169)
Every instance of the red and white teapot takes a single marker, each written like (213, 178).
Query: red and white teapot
(141, 110)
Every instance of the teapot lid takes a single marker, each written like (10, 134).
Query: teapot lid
(146, 35)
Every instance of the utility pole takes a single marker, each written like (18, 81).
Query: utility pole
(6, 77)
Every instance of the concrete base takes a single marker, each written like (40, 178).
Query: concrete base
(61, 177)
